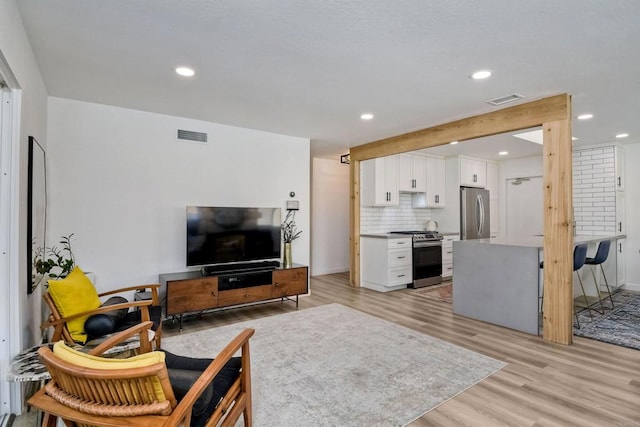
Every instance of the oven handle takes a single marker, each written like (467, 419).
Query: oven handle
(427, 244)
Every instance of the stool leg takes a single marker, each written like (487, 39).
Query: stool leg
(607, 284)
(584, 294)
(595, 281)
(576, 316)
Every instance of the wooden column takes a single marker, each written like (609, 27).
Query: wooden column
(557, 323)
(354, 276)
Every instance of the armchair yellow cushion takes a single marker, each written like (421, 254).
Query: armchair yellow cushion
(72, 295)
(84, 360)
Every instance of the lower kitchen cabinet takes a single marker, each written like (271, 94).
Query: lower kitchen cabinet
(447, 255)
(386, 263)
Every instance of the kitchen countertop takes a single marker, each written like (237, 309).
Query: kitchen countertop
(386, 235)
(537, 241)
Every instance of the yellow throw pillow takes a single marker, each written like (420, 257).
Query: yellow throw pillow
(72, 295)
(84, 360)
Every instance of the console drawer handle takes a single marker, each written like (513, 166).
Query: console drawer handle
(276, 284)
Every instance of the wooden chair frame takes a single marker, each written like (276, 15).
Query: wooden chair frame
(59, 323)
(103, 396)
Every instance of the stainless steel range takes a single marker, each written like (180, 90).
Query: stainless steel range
(427, 257)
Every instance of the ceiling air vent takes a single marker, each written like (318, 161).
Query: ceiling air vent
(505, 99)
(189, 135)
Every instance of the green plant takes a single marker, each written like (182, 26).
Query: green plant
(54, 261)
(290, 230)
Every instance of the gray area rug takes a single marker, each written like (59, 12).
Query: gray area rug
(335, 366)
(620, 326)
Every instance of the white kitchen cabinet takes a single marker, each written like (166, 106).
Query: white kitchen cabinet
(619, 168)
(412, 173)
(473, 172)
(386, 264)
(620, 217)
(380, 181)
(621, 247)
(434, 196)
(447, 255)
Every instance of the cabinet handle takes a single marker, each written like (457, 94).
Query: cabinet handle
(437, 198)
(401, 257)
(449, 268)
(276, 284)
(400, 275)
(475, 177)
(449, 252)
(401, 243)
(619, 182)
(620, 226)
(620, 247)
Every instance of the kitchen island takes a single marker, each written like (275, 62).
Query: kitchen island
(499, 280)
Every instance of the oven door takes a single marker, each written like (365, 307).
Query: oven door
(427, 263)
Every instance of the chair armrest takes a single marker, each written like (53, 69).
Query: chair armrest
(153, 287)
(186, 404)
(104, 309)
(141, 328)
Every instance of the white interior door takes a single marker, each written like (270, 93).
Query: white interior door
(524, 206)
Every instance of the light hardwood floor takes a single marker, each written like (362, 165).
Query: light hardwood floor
(586, 384)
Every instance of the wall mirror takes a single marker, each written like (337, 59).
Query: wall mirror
(37, 213)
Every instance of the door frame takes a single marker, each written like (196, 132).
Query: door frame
(10, 306)
(554, 115)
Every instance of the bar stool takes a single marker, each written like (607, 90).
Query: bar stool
(579, 258)
(601, 256)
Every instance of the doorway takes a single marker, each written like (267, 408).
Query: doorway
(524, 208)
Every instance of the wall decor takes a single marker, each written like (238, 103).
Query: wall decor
(37, 213)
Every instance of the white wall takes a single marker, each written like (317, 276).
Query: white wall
(120, 180)
(330, 217)
(632, 206)
(17, 53)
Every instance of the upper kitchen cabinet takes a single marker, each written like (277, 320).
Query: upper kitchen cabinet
(412, 173)
(380, 181)
(619, 168)
(473, 172)
(434, 196)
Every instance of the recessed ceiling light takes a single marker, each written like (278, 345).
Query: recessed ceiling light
(622, 135)
(482, 74)
(585, 116)
(185, 71)
(366, 116)
(453, 142)
(503, 153)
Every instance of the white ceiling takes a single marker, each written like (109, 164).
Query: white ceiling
(310, 68)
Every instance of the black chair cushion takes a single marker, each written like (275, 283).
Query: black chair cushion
(185, 370)
(103, 324)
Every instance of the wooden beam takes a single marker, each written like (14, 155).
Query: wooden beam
(557, 324)
(354, 280)
(554, 114)
(515, 118)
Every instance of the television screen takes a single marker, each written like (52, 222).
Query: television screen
(218, 235)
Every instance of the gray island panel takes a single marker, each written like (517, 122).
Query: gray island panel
(497, 283)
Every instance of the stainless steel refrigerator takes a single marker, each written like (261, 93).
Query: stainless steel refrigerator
(474, 213)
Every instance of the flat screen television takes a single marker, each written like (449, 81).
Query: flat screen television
(218, 235)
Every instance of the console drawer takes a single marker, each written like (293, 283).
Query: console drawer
(191, 295)
(289, 282)
(244, 295)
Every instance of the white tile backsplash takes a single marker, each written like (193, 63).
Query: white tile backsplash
(594, 202)
(393, 218)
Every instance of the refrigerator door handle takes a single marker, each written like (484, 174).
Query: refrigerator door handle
(480, 208)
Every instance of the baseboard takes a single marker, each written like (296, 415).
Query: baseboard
(631, 287)
(323, 271)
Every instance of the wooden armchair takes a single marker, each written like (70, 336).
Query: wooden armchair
(148, 310)
(138, 396)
